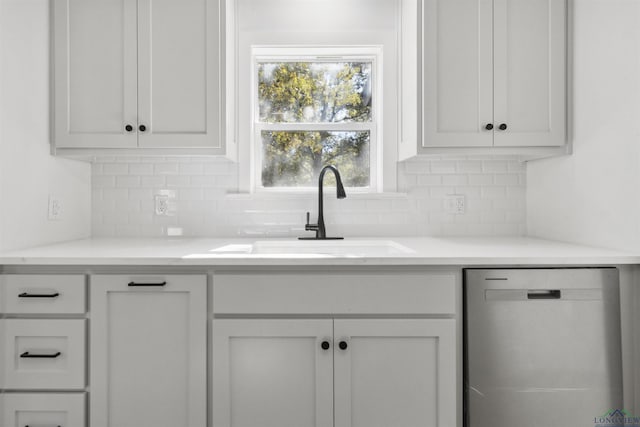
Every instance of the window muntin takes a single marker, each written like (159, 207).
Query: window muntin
(314, 111)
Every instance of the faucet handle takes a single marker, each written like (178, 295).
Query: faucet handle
(308, 226)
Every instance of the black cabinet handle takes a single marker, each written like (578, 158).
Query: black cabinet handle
(26, 295)
(343, 345)
(27, 355)
(142, 128)
(325, 345)
(128, 128)
(489, 126)
(503, 126)
(132, 284)
(545, 294)
(56, 426)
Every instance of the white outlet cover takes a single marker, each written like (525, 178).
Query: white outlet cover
(55, 209)
(456, 204)
(162, 205)
(165, 203)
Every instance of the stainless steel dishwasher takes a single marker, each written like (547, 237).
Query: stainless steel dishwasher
(542, 346)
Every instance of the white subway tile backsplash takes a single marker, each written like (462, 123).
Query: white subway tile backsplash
(115, 168)
(507, 179)
(191, 168)
(455, 180)
(153, 181)
(429, 180)
(162, 168)
(178, 181)
(103, 181)
(140, 169)
(443, 166)
(127, 181)
(481, 179)
(495, 166)
(469, 166)
(203, 203)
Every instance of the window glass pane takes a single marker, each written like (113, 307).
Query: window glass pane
(314, 92)
(294, 159)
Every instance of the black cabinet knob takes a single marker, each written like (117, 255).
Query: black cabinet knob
(489, 126)
(343, 345)
(128, 128)
(142, 128)
(325, 345)
(503, 126)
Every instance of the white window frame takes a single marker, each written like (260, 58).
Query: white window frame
(372, 54)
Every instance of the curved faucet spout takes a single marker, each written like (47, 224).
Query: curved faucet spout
(319, 228)
(340, 193)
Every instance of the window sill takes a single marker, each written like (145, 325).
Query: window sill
(305, 194)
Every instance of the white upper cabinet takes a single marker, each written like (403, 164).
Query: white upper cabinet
(529, 72)
(95, 73)
(494, 73)
(458, 73)
(137, 74)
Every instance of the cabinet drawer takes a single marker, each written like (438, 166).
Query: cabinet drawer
(43, 354)
(42, 294)
(430, 293)
(38, 409)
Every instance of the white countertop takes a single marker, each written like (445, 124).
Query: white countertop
(235, 252)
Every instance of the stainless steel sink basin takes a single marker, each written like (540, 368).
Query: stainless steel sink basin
(353, 248)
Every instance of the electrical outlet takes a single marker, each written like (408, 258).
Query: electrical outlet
(456, 204)
(162, 204)
(55, 209)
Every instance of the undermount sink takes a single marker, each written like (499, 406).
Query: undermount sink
(331, 247)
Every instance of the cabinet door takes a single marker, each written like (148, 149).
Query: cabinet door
(178, 45)
(399, 373)
(530, 72)
(95, 73)
(457, 73)
(272, 373)
(148, 351)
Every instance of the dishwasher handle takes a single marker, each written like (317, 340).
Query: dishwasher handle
(544, 294)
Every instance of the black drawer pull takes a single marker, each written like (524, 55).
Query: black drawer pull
(554, 294)
(26, 295)
(27, 355)
(147, 284)
(56, 426)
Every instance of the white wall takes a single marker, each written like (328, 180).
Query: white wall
(593, 197)
(28, 174)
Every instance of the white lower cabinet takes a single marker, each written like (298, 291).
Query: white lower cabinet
(342, 373)
(272, 373)
(39, 409)
(148, 351)
(395, 372)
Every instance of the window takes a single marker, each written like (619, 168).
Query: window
(310, 110)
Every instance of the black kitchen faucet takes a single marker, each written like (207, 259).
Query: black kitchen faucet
(319, 228)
